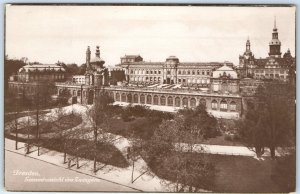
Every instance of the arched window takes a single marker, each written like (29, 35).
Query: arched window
(142, 99)
(159, 72)
(123, 97)
(147, 72)
(188, 72)
(78, 93)
(163, 100)
(149, 99)
(232, 106)
(214, 105)
(155, 72)
(198, 72)
(155, 100)
(203, 101)
(193, 72)
(177, 102)
(193, 102)
(129, 98)
(151, 72)
(170, 101)
(185, 102)
(179, 72)
(223, 105)
(135, 98)
(117, 97)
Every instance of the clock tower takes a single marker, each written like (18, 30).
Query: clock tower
(275, 44)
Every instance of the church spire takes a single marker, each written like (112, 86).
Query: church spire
(275, 28)
(248, 45)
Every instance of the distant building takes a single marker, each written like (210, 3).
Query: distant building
(272, 67)
(40, 73)
(172, 71)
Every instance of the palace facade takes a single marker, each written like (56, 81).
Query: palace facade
(172, 71)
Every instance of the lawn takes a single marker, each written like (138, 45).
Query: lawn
(63, 123)
(220, 140)
(12, 116)
(139, 127)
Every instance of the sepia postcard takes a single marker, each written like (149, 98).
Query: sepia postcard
(150, 98)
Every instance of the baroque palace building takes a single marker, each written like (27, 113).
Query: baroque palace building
(220, 86)
(165, 84)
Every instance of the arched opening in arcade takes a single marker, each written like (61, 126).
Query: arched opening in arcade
(91, 97)
(123, 97)
(129, 98)
(149, 99)
(135, 98)
(193, 102)
(177, 102)
(142, 99)
(170, 101)
(163, 100)
(185, 102)
(155, 100)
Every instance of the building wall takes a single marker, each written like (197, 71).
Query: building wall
(220, 103)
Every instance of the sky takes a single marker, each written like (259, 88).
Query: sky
(48, 34)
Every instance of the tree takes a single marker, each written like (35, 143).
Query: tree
(271, 121)
(98, 116)
(198, 122)
(11, 66)
(173, 160)
(82, 69)
(41, 98)
(64, 96)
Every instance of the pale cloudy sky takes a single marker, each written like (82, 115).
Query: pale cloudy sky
(192, 33)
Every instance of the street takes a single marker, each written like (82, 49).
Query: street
(23, 173)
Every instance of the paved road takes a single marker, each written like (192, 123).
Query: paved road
(23, 173)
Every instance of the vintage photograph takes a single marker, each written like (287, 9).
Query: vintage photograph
(150, 98)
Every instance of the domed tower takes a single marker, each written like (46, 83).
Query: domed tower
(97, 62)
(275, 44)
(170, 70)
(96, 73)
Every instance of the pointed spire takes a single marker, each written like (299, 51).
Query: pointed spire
(248, 41)
(275, 23)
